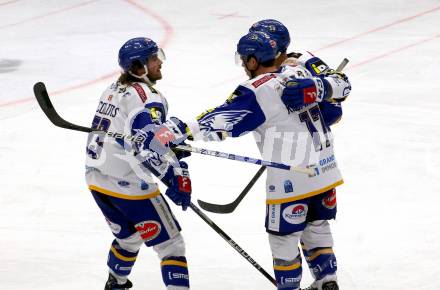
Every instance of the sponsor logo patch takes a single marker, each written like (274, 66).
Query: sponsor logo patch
(295, 213)
(310, 95)
(123, 183)
(271, 188)
(140, 92)
(330, 200)
(144, 185)
(164, 135)
(261, 81)
(288, 186)
(184, 183)
(319, 66)
(148, 229)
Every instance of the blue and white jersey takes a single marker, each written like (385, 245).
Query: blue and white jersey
(299, 138)
(118, 167)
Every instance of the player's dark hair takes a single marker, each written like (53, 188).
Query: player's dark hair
(267, 63)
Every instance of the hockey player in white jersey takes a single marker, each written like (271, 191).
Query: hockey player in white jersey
(331, 112)
(298, 205)
(119, 172)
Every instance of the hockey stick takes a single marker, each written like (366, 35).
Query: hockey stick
(310, 171)
(342, 65)
(43, 99)
(230, 207)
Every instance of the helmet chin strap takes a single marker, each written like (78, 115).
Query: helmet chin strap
(143, 77)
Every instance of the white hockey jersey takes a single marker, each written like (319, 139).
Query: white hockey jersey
(113, 166)
(299, 138)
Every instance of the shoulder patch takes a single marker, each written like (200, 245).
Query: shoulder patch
(140, 91)
(261, 81)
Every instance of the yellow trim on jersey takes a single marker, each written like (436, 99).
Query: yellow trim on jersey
(287, 268)
(121, 257)
(174, 263)
(319, 252)
(306, 195)
(123, 196)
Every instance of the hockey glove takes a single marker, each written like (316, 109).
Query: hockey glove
(179, 185)
(339, 84)
(171, 132)
(313, 64)
(301, 92)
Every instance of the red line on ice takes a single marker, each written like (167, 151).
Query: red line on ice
(168, 34)
(48, 14)
(9, 2)
(169, 31)
(393, 51)
(379, 28)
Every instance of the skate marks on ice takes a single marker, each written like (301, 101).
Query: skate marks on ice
(9, 65)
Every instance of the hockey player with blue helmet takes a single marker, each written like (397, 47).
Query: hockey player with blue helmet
(119, 172)
(294, 98)
(298, 206)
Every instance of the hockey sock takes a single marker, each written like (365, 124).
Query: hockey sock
(120, 261)
(175, 271)
(288, 273)
(321, 261)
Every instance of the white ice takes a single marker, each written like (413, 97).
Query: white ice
(53, 236)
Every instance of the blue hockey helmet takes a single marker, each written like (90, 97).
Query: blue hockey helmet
(138, 49)
(257, 44)
(276, 30)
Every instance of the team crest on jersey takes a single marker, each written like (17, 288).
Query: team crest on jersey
(223, 120)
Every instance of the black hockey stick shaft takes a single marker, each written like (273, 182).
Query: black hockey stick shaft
(43, 99)
(230, 207)
(232, 243)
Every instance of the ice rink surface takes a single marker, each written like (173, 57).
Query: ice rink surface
(387, 234)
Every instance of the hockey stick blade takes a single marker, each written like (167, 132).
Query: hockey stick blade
(230, 207)
(43, 99)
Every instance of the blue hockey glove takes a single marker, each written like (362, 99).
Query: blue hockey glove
(313, 64)
(300, 92)
(179, 185)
